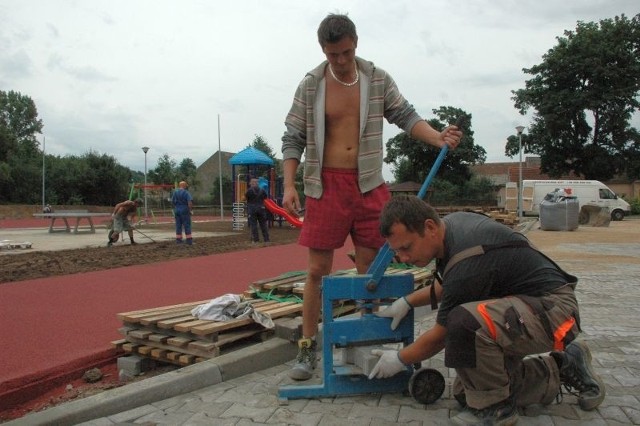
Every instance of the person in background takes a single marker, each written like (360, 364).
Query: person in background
(501, 301)
(123, 216)
(182, 202)
(257, 212)
(337, 118)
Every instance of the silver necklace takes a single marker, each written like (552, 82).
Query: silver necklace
(354, 82)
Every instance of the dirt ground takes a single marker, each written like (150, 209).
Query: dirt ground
(32, 265)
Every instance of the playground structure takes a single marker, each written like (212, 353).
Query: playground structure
(253, 163)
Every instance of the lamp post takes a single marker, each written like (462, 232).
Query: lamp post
(520, 129)
(145, 149)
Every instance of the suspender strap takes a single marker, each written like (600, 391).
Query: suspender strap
(482, 249)
(432, 297)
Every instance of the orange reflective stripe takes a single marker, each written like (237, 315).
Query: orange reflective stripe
(482, 309)
(561, 332)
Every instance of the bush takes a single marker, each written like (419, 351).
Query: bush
(635, 206)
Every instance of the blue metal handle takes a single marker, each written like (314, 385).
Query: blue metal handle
(433, 171)
(385, 255)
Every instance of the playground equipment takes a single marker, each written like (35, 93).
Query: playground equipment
(159, 194)
(277, 210)
(254, 163)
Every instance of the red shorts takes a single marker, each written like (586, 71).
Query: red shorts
(343, 210)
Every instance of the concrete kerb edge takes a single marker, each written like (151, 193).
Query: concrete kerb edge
(264, 355)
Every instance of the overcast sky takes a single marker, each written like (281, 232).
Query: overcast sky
(113, 76)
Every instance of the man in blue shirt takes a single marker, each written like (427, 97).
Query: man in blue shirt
(182, 206)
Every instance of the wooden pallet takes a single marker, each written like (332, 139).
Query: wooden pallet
(172, 334)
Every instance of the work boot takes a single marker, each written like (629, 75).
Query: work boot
(503, 413)
(305, 361)
(578, 377)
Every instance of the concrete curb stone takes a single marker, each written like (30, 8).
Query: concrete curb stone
(257, 357)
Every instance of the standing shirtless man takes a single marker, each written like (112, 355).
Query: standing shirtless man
(337, 117)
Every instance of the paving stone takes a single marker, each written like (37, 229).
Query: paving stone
(633, 414)
(613, 413)
(360, 411)
(331, 420)
(251, 413)
(286, 416)
(133, 414)
(134, 365)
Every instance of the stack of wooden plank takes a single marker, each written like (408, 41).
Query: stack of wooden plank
(293, 285)
(172, 334)
(507, 218)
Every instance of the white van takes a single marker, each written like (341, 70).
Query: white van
(588, 192)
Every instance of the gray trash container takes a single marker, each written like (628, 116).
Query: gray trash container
(559, 213)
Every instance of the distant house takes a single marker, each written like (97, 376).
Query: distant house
(409, 188)
(208, 172)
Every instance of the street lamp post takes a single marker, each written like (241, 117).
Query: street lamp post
(146, 214)
(520, 129)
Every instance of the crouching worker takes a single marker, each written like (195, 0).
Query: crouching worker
(124, 214)
(500, 301)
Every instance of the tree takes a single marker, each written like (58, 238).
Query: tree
(187, 171)
(261, 144)
(584, 94)
(413, 159)
(19, 159)
(19, 124)
(165, 171)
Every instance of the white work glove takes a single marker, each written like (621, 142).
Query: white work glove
(397, 310)
(388, 365)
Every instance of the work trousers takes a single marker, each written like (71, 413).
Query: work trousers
(183, 220)
(258, 216)
(490, 344)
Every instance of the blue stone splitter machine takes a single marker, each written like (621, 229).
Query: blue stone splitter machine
(367, 329)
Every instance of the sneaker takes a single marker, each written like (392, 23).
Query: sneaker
(178, 241)
(133, 243)
(503, 413)
(305, 361)
(578, 377)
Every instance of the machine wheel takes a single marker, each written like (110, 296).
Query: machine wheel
(426, 385)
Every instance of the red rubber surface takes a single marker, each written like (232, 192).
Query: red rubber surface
(53, 327)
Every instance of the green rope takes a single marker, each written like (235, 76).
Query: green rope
(270, 296)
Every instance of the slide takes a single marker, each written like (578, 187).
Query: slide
(275, 209)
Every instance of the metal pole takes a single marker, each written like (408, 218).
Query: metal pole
(220, 171)
(44, 141)
(520, 129)
(520, 178)
(146, 211)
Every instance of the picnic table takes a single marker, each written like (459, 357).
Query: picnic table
(78, 215)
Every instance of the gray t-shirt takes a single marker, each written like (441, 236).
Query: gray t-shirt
(497, 273)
